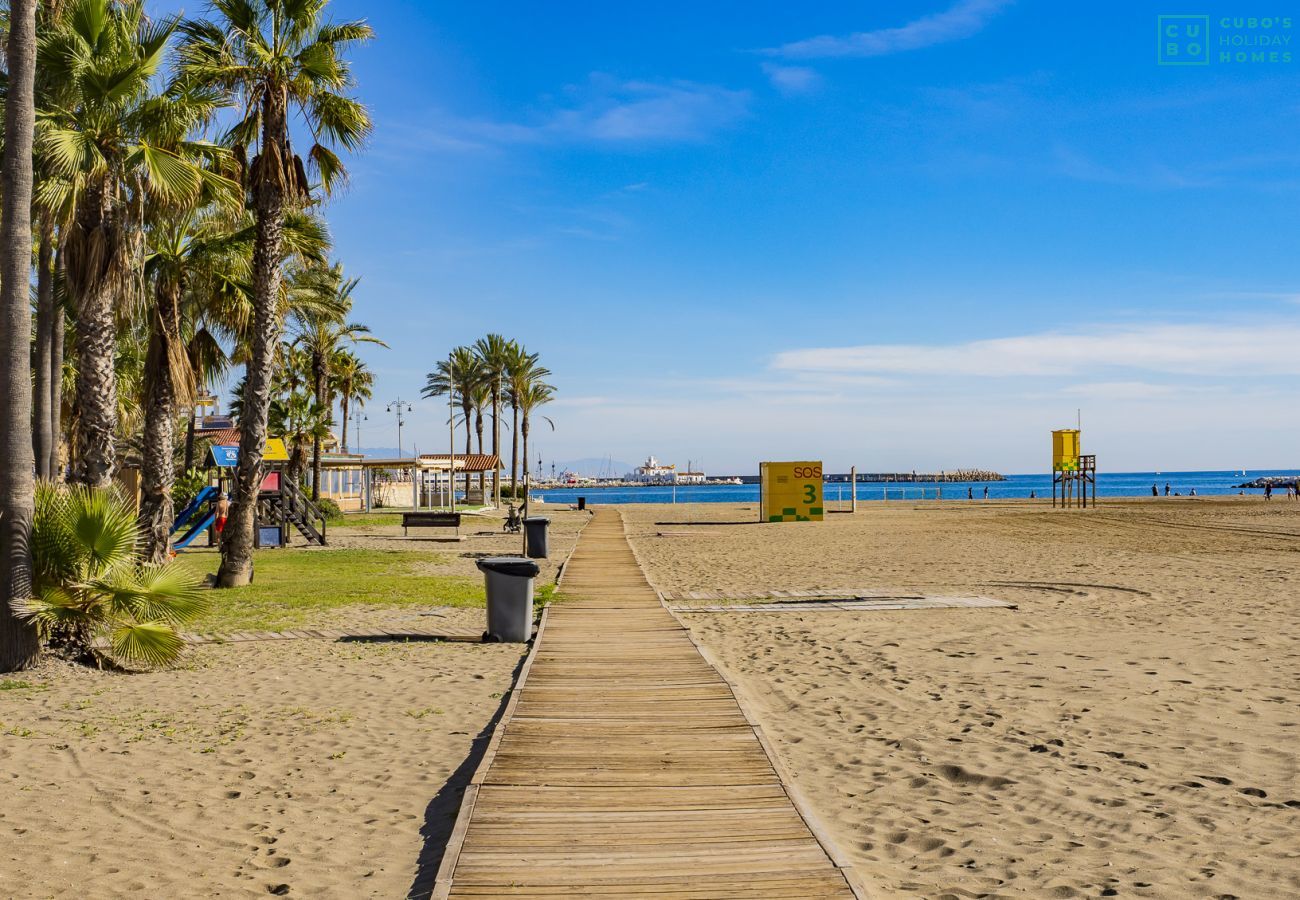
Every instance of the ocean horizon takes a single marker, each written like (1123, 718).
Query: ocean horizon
(1218, 483)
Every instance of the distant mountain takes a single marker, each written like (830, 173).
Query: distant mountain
(593, 467)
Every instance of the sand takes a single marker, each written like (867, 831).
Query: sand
(1132, 729)
(303, 768)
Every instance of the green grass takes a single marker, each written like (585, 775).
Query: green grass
(11, 684)
(291, 588)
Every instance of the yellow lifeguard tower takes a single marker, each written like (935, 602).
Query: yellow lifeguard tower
(1073, 471)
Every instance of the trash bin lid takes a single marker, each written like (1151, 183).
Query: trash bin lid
(545, 520)
(510, 565)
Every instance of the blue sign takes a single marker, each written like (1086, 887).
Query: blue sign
(225, 457)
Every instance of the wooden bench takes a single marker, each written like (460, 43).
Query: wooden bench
(430, 520)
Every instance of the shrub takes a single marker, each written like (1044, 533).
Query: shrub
(330, 510)
(88, 580)
(187, 487)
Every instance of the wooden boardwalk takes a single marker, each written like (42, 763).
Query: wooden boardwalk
(624, 766)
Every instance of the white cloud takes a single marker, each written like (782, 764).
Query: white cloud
(607, 111)
(792, 80)
(962, 20)
(1260, 349)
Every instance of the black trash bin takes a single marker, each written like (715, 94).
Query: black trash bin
(535, 528)
(509, 582)
(582, 503)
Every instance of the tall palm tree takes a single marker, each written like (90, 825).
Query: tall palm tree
(461, 376)
(494, 352)
(191, 259)
(18, 643)
(536, 394)
(354, 384)
(272, 57)
(114, 145)
(323, 335)
(522, 370)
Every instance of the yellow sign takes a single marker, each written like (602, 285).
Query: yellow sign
(790, 491)
(274, 451)
(1065, 450)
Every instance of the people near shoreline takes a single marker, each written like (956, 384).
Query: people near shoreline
(1154, 491)
(1268, 491)
(970, 493)
(1033, 495)
(1166, 489)
(986, 492)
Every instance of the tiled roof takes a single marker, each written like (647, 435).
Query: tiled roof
(222, 437)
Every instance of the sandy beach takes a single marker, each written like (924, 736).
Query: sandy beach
(1131, 729)
(305, 768)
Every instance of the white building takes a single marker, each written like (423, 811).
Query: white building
(690, 478)
(654, 472)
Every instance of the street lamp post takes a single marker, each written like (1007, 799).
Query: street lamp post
(399, 407)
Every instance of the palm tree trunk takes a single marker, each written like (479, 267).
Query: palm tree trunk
(478, 427)
(92, 246)
(318, 373)
(189, 440)
(496, 446)
(466, 408)
(525, 437)
(343, 403)
(514, 451)
(57, 338)
(158, 469)
(19, 647)
(43, 396)
(269, 207)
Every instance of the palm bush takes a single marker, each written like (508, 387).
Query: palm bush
(88, 581)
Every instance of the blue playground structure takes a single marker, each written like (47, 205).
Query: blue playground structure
(197, 517)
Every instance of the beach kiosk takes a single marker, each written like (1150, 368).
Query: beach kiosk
(790, 491)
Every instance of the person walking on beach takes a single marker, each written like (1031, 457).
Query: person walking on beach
(223, 510)
(986, 492)
(1268, 491)
(1154, 492)
(1166, 489)
(970, 493)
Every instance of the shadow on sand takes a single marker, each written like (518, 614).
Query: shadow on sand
(440, 814)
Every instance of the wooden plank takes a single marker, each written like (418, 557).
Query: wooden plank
(623, 765)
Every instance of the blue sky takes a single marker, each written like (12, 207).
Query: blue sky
(904, 235)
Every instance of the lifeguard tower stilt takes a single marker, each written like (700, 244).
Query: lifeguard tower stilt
(1072, 472)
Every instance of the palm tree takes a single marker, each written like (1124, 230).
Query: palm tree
(272, 57)
(461, 375)
(521, 371)
(323, 334)
(354, 384)
(89, 580)
(481, 397)
(537, 393)
(19, 647)
(494, 353)
(190, 261)
(113, 146)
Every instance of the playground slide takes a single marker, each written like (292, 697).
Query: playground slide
(203, 524)
(204, 496)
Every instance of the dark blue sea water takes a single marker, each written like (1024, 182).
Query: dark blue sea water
(1109, 484)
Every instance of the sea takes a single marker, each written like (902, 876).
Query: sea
(1109, 484)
